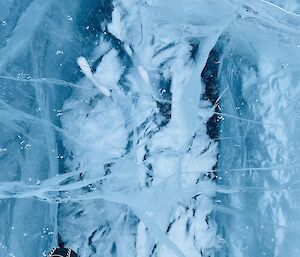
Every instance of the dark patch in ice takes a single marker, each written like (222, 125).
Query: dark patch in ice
(165, 111)
(194, 51)
(170, 226)
(95, 14)
(90, 242)
(153, 250)
(187, 226)
(210, 78)
(113, 249)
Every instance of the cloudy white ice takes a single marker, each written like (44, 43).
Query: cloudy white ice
(150, 128)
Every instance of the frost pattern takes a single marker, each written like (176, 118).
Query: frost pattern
(148, 141)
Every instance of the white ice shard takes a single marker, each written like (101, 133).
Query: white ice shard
(86, 69)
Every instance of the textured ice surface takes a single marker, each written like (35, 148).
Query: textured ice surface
(149, 128)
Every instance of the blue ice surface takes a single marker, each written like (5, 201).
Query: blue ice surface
(195, 153)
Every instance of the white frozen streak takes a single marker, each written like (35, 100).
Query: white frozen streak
(86, 69)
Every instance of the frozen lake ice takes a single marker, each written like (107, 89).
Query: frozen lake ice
(150, 128)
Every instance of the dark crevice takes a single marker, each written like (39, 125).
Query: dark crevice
(153, 251)
(90, 242)
(209, 76)
(170, 226)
